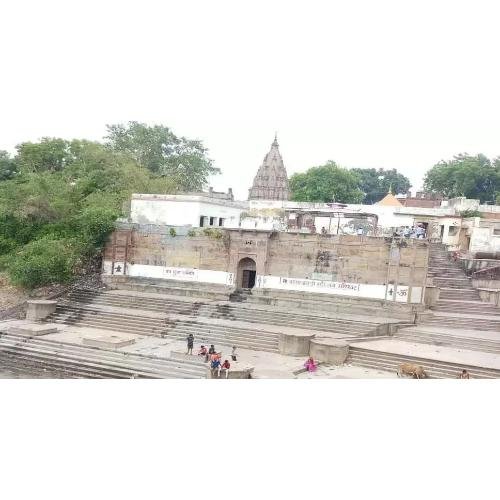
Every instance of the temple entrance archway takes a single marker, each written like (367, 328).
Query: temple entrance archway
(247, 270)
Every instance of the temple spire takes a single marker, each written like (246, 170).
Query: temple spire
(271, 181)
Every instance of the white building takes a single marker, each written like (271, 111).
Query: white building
(195, 210)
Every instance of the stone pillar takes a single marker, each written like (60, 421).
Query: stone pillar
(295, 344)
(431, 296)
(330, 351)
(40, 309)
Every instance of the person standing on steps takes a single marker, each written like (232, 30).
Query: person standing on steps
(233, 353)
(464, 374)
(190, 343)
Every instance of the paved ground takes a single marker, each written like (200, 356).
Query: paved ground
(453, 355)
(266, 365)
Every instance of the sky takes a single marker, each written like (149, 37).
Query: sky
(392, 84)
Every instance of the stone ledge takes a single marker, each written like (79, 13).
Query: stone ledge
(108, 341)
(237, 371)
(329, 350)
(295, 344)
(33, 329)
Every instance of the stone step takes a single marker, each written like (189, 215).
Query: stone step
(469, 343)
(201, 336)
(434, 368)
(482, 308)
(462, 323)
(228, 312)
(240, 337)
(96, 362)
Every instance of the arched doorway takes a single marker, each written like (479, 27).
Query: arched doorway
(246, 273)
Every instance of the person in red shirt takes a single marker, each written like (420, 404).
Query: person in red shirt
(225, 367)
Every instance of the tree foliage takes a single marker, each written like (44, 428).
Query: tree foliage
(159, 150)
(8, 167)
(60, 201)
(375, 183)
(326, 183)
(475, 177)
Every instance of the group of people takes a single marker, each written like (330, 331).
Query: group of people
(211, 355)
(417, 231)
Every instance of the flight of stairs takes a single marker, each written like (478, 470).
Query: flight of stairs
(469, 342)
(459, 303)
(204, 333)
(387, 361)
(225, 311)
(71, 360)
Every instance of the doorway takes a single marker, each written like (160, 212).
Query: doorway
(246, 273)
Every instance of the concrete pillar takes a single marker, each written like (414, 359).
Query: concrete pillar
(295, 344)
(431, 296)
(330, 351)
(40, 309)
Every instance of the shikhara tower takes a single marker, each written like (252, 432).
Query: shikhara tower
(271, 181)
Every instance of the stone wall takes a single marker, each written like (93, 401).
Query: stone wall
(322, 262)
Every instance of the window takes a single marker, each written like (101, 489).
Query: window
(202, 221)
(212, 221)
(496, 232)
(221, 221)
(452, 230)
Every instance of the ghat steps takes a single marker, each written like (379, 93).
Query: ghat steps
(226, 311)
(368, 358)
(459, 305)
(75, 360)
(469, 342)
(207, 333)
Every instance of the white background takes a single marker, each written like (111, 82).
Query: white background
(365, 83)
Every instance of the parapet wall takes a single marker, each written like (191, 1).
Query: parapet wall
(370, 267)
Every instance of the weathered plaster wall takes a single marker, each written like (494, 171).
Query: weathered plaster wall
(326, 264)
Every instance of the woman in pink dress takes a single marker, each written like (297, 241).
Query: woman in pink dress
(310, 365)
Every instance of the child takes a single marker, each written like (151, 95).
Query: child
(225, 366)
(215, 365)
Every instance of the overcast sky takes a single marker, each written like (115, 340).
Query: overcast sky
(364, 83)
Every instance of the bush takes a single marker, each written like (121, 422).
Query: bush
(44, 261)
(191, 232)
(213, 233)
(6, 245)
(470, 213)
(172, 232)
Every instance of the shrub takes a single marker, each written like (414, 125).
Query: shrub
(44, 261)
(191, 232)
(172, 232)
(213, 233)
(6, 245)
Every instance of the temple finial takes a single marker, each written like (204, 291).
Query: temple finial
(275, 142)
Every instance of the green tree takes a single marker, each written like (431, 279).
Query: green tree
(474, 177)
(326, 183)
(8, 167)
(50, 154)
(158, 149)
(375, 183)
(69, 205)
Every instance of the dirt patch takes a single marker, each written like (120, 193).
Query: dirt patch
(10, 296)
